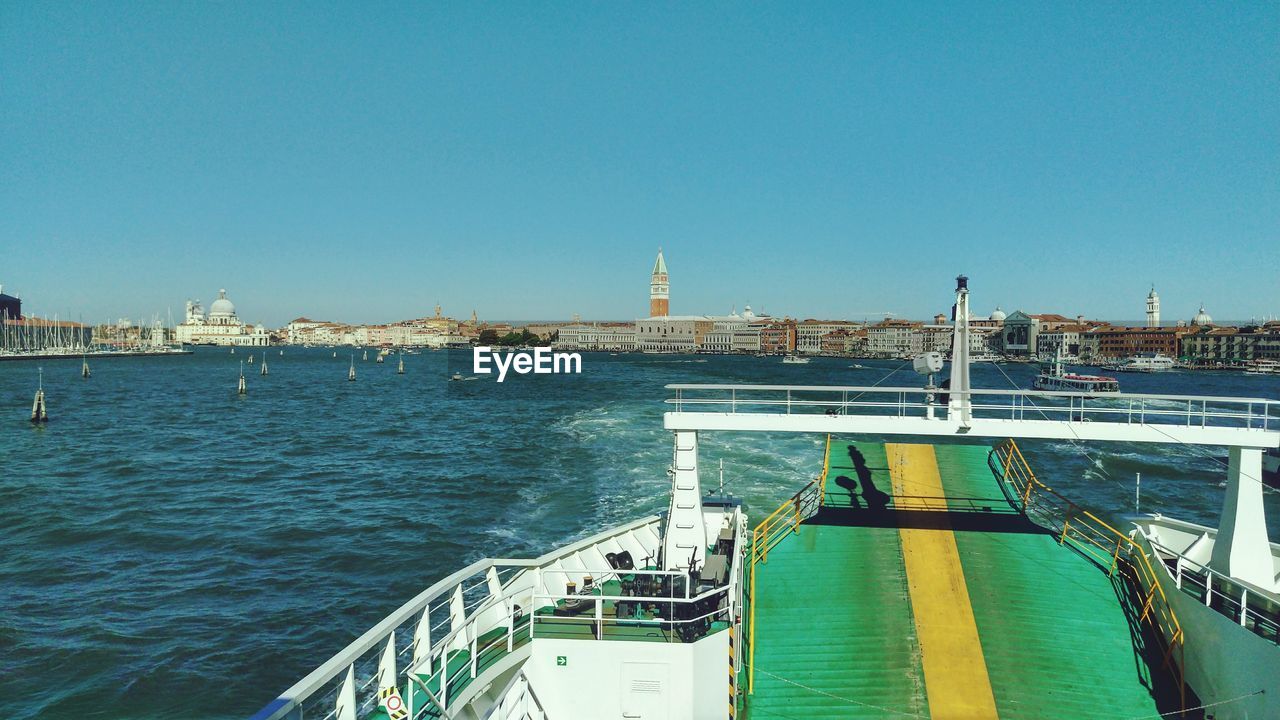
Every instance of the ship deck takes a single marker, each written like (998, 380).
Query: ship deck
(918, 590)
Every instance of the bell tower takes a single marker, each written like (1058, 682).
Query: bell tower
(659, 289)
(1153, 308)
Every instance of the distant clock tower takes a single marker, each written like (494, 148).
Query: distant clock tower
(1153, 308)
(659, 289)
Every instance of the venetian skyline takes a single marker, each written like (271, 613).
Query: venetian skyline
(819, 161)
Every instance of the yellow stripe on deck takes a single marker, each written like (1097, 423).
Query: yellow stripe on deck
(955, 672)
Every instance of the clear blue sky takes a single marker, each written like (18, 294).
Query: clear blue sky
(361, 161)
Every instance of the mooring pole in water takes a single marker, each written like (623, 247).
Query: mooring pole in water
(39, 414)
(1137, 494)
(242, 388)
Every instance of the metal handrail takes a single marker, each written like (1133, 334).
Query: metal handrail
(973, 391)
(1190, 410)
(1090, 534)
(1213, 584)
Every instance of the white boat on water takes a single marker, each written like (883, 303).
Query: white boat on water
(926, 580)
(1262, 366)
(795, 360)
(1144, 362)
(1056, 379)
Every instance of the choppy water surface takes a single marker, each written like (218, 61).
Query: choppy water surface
(168, 549)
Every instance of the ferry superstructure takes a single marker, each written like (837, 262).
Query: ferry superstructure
(1146, 362)
(905, 580)
(1057, 379)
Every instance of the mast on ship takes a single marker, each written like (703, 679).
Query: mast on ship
(242, 388)
(39, 414)
(960, 404)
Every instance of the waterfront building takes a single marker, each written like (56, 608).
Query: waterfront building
(1206, 345)
(299, 329)
(1020, 331)
(1202, 319)
(1112, 342)
(720, 338)
(1066, 337)
(10, 306)
(546, 330)
(935, 337)
(1153, 308)
(891, 338)
(994, 320)
(659, 289)
(672, 333)
(778, 338)
(608, 336)
(375, 335)
(845, 342)
(220, 327)
(747, 339)
(734, 332)
(809, 333)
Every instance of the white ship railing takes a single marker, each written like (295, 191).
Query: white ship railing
(519, 702)
(686, 628)
(1252, 607)
(443, 622)
(1128, 408)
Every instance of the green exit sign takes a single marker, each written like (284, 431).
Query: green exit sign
(561, 660)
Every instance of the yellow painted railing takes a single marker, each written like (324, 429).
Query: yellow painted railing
(1109, 547)
(777, 525)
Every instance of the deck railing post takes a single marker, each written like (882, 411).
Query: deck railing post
(1244, 605)
(533, 601)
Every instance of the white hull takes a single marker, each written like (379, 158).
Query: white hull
(1223, 661)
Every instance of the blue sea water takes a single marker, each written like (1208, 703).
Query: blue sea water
(169, 549)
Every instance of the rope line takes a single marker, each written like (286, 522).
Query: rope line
(841, 698)
(1171, 713)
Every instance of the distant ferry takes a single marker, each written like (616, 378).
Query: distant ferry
(1263, 366)
(1055, 379)
(1144, 362)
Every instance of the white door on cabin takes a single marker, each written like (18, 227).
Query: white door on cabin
(644, 691)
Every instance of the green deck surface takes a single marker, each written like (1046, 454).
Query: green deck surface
(834, 613)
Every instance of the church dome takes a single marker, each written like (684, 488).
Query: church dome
(1202, 318)
(998, 315)
(222, 307)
